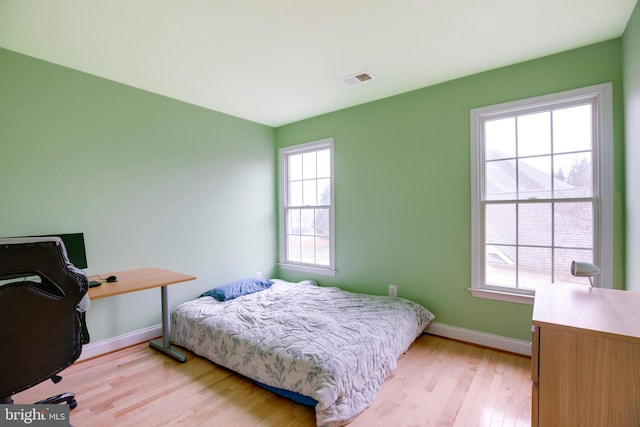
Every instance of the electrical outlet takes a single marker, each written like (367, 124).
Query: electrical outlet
(393, 291)
(259, 274)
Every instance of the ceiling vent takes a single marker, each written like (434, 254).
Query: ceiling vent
(358, 78)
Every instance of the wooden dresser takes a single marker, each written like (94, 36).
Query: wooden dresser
(585, 357)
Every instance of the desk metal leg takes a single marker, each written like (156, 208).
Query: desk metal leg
(164, 344)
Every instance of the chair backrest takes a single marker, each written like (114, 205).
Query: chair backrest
(39, 325)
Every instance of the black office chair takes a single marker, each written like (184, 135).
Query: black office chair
(40, 328)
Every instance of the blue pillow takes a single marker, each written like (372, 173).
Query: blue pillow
(238, 288)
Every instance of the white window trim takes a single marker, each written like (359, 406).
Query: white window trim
(302, 267)
(603, 251)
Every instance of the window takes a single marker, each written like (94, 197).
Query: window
(307, 208)
(542, 186)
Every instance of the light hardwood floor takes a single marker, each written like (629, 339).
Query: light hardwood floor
(438, 382)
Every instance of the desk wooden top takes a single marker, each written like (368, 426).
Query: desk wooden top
(135, 280)
(589, 310)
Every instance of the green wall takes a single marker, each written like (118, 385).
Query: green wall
(631, 62)
(150, 181)
(154, 181)
(402, 170)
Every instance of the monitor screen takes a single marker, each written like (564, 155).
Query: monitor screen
(74, 244)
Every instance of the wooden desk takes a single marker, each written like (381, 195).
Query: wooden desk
(585, 357)
(138, 280)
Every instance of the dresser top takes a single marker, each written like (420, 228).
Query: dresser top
(591, 310)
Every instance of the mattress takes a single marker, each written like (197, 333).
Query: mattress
(334, 346)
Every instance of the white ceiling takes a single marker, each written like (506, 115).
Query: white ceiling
(279, 61)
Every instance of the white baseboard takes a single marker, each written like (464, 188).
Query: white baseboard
(120, 342)
(440, 329)
(481, 338)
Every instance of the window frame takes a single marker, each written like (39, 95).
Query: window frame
(602, 150)
(284, 153)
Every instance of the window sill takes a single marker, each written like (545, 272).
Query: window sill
(502, 296)
(309, 269)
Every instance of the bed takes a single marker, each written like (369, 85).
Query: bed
(331, 347)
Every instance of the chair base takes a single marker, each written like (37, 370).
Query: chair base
(68, 398)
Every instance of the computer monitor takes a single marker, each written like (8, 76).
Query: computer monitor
(74, 244)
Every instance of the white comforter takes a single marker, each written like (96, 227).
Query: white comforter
(334, 346)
